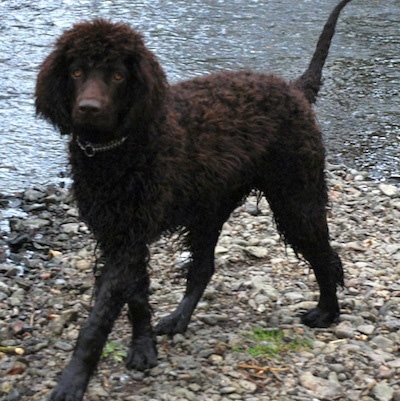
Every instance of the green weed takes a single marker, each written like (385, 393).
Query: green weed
(273, 342)
(115, 351)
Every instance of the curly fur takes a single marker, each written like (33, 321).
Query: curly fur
(191, 153)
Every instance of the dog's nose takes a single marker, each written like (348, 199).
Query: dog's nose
(89, 106)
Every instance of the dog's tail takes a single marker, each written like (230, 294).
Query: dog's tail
(311, 80)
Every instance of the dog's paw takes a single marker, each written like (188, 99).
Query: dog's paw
(171, 324)
(67, 393)
(142, 354)
(72, 384)
(317, 317)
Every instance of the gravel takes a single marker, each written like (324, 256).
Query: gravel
(46, 261)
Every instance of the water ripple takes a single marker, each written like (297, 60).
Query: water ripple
(359, 104)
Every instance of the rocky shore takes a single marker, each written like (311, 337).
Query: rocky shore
(245, 341)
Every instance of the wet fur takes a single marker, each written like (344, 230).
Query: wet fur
(192, 153)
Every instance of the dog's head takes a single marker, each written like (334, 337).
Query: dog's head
(99, 76)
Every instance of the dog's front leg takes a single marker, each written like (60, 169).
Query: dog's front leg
(92, 338)
(202, 242)
(143, 352)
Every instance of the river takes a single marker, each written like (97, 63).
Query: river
(358, 108)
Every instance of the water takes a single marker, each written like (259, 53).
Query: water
(358, 108)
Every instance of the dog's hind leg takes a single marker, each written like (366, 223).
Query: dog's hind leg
(329, 273)
(300, 213)
(202, 243)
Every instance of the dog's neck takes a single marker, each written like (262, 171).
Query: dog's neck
(90, 149)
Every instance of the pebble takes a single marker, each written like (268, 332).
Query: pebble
(383, 392)
(64, 346)
(321, 388)
(344, 330)
(248, 386)
(47, 256)
(367, 329)
(256, 251)
(389, 190)
(383, 343)
(34, 224)
(70, 228)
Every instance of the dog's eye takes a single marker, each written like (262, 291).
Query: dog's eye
(77, 73)
(118, 76)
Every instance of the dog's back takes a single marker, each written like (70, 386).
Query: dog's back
(240, 130)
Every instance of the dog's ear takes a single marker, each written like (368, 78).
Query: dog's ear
(149, 86)
(52, 92)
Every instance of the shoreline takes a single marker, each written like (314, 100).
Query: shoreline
(46, 279)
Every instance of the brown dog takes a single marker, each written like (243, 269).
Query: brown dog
(148, 158)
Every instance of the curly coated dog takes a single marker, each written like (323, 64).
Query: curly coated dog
(149, 158)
